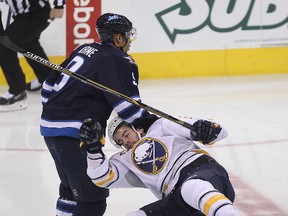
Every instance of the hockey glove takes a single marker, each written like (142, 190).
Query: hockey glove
(91, 134)
(205, 131)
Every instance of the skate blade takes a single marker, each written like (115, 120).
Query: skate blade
(19, 105)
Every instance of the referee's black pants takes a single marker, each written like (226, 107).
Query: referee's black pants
(25, 31)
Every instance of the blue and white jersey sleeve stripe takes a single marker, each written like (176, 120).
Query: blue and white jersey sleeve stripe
(60, 128)
(129, 112)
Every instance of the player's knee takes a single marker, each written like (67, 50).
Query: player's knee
(203, 196)
(193, 190)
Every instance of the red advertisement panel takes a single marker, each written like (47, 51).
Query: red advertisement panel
(81, 16)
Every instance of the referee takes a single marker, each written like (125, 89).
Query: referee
(31, 18)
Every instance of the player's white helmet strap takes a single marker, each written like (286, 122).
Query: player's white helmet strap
(112, 126)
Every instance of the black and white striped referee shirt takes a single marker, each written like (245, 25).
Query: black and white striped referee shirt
(26, 6)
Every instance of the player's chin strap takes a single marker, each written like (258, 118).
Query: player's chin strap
(137, 132)
(121, 48)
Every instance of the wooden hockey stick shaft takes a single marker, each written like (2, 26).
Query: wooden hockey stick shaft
(5, 41)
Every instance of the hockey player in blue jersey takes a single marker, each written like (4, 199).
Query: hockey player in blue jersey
(67, 102)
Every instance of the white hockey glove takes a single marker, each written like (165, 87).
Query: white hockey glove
(205, 131)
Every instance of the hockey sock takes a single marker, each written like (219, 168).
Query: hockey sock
(65, 207)
(201, 195)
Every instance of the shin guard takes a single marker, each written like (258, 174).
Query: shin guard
(203, 196)
(65, 207)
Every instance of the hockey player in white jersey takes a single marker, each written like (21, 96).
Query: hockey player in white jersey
(163, 157)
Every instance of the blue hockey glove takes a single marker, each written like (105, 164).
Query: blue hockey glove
(205, 131)
(92, 136)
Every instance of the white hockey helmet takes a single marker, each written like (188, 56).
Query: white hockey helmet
(113, 125)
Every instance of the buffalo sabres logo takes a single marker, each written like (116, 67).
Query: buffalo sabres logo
(150, 155)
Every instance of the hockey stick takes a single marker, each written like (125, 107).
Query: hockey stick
(5, 41)
(8, 17)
